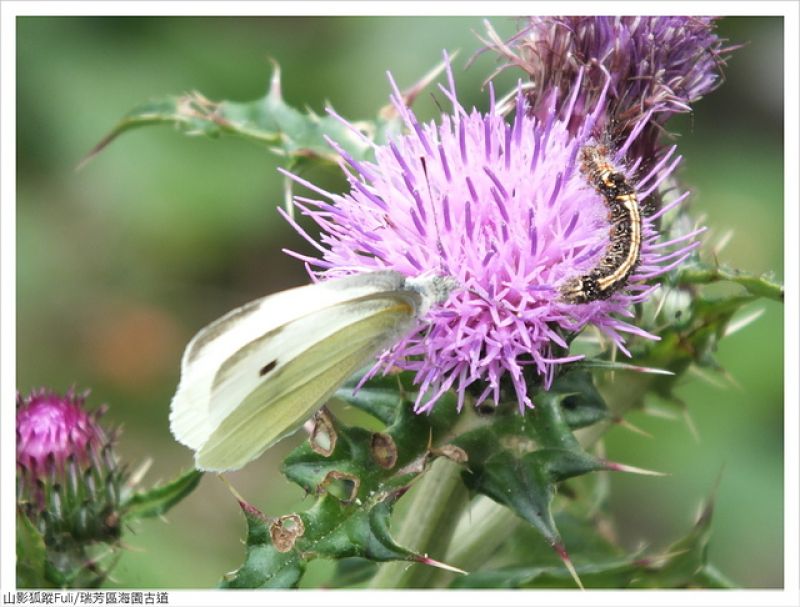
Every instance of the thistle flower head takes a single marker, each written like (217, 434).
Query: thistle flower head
(504, 208)
(658, 66)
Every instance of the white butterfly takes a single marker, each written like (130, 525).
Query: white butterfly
(258, 373)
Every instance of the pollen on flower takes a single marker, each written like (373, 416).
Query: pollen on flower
(502, 207)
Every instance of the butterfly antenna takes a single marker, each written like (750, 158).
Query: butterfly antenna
(439, 246)
(437, 104)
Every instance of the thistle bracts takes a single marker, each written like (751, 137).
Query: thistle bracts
(74, 497)
(69, 489)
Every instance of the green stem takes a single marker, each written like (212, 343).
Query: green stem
(756, 285)
(436, 503)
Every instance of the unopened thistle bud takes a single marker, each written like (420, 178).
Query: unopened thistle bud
(68, 482)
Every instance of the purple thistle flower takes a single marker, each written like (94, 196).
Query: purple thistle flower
(52, 428)
(505, 209)
(658, 66)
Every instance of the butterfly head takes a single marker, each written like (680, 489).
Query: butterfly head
(434, 289)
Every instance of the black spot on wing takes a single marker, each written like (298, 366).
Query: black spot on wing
(267, 368)
(230, 364)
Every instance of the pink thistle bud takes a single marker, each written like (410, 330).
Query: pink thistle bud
(51, 428)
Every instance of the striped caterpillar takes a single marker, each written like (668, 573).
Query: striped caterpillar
(622, 253)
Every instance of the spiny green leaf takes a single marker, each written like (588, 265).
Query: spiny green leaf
(413, 433)
(690, 325)
(601, 564)
(159, 500)
(350, 456)
(527, 561)
(527, 484)
(334, 530)
(358, 475)
(329, 529)
(269, 120)
(537, 451)
(550, 427)
(264, 566)
(375, 461)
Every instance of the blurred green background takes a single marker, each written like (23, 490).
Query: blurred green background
(119, 264)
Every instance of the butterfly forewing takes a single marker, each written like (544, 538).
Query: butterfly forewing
(268, 363)
(213, 346)
(278, 405)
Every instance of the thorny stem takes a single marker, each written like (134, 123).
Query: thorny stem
(436, 504)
